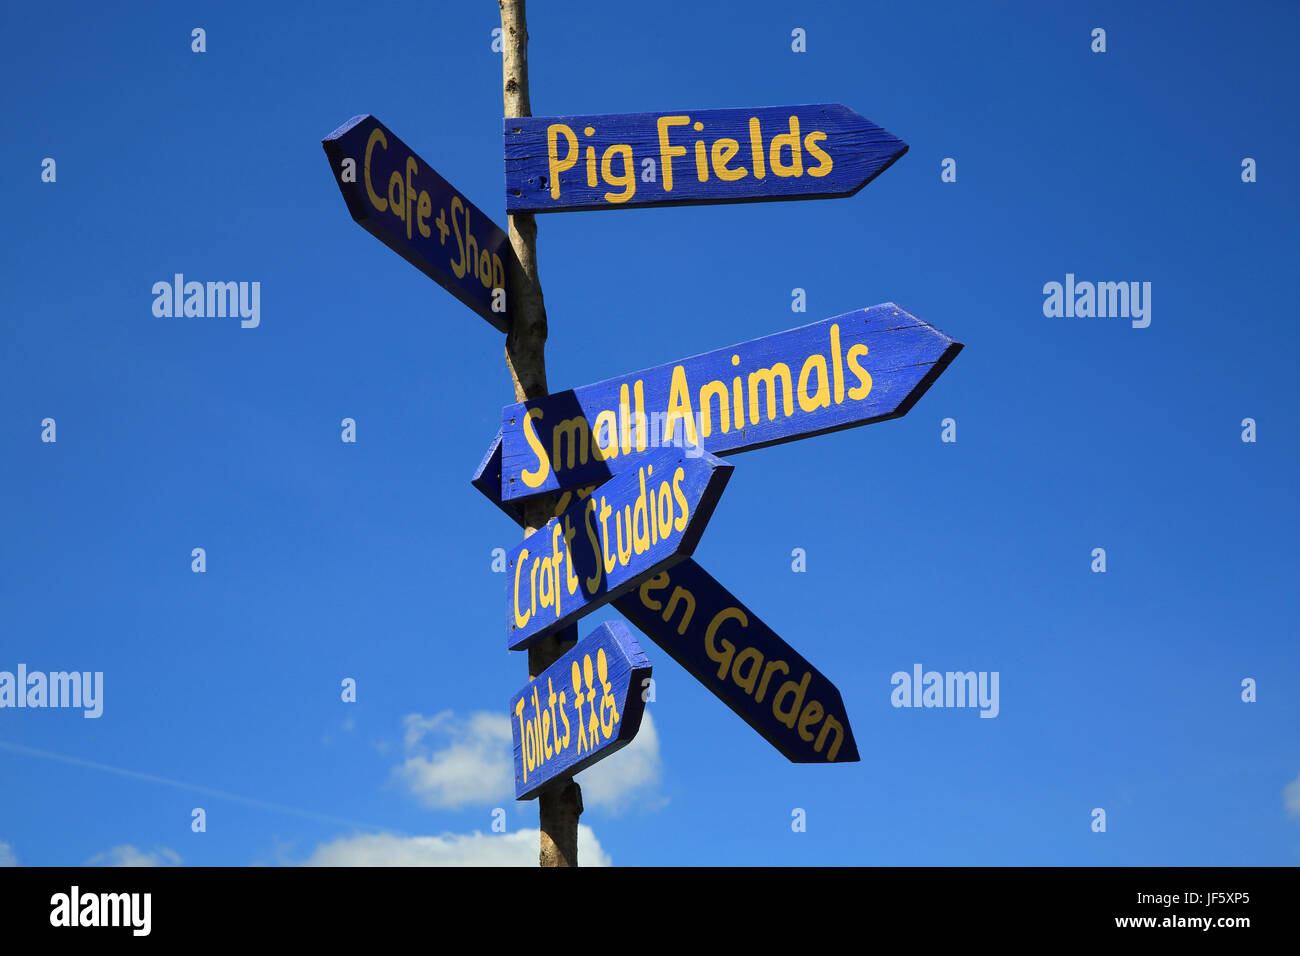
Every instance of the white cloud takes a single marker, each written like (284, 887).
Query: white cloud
(476, 766)
(629, 777)
(7, 857)
(450, 849)
(1291, 797)
(127, 855)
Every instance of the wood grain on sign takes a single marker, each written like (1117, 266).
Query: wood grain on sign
(854, 369)
(813, 151)
(403, 202)
(603, 544)
(723, 644)
(584, 707)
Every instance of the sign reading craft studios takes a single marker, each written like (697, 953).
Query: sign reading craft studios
(606, 542)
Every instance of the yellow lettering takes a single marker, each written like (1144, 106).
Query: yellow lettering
(604, 514)
(397, 195)
(767, 676)
(656, 583)
(534, 479)
(688, 600)
(755, 657)
(830, 723)
(723, 656)
(376, 136)
(557, 556)
(627, 180)
(812, 712)
(679, 407)
(795, 168)
(424, 209)
(822, 399)
(862, 390)
(520, 620)
(756, 147)
(570, 578)
(824, 160)
(555, 165)
(605, 448)
(724, 412)
(685, 516)
(579, 440)
(462, 266)
(411, 169)
(836, 367)
(724, 150)
(667, 152)
(769, 375)
(593, 581)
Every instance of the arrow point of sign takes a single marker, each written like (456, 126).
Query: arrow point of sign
(950, 351)
(703, 511)
(487, 479)
(880, 147)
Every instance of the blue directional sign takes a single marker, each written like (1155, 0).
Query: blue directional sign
(862, 367)
(606, 542)
(581, 709)
(723, 644)
(684, 157)
(403, 202)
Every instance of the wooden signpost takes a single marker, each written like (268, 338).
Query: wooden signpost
(850, 370)
(608, 541)
(407, 206)
(632, 460)
(817, 151)
(581, 709)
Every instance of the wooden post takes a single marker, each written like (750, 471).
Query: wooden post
(560, 806)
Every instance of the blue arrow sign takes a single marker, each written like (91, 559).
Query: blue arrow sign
(403, 202)
(816, 151)
(723, 644)
(581, 709)
(604, 543)
(862, 367)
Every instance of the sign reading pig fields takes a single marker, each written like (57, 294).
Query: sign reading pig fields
(854, 369)
(594, 693)
(608, 540)
(400, 200)
(558, 163)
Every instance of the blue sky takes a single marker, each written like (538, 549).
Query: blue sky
(372, 560)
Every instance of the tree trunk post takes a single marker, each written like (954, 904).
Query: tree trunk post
(559, 806)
